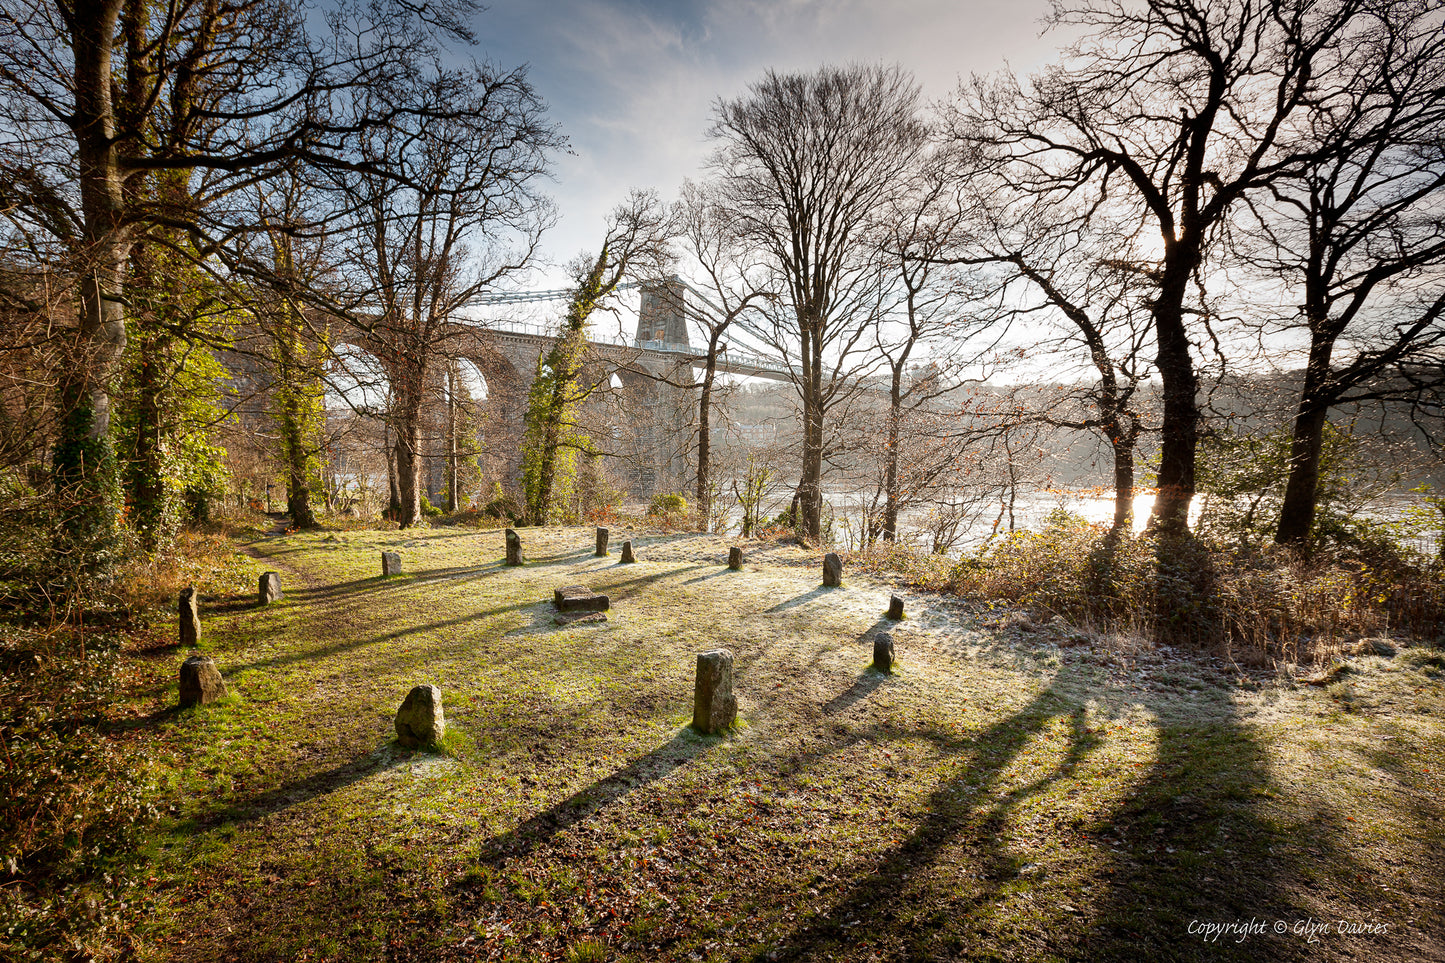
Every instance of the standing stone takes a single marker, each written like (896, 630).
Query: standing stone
(419, 721)
(201, 681)
(190, 610)
(883, 652)
(514, 548)
(390, 563)
(832, 570)
(602, 536)
(627, 556)
(713, 706)
(270, 588)
(895, 608)
(735, 559)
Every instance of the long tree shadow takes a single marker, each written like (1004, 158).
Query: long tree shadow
(307, 655)
(540, 828)
(301, 790)
(950, 807)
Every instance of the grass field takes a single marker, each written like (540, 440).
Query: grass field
(999, 797)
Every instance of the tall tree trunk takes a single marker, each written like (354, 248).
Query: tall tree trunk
(393, 505)
(143, 470)
(1297, 511)
(1180, 425)
(295, 420)
(408, 458)
(704, 437)
(453, 502)
(1301, 490)
(890, 471)
(83, 460)
(810, 489)
(1123, 445)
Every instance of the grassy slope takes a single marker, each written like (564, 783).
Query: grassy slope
(997, 798)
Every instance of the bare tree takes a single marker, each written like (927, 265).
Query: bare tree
(808, 165)
(635, 246)
(1086, 277)
(1358, 237)
(926, 340)
(734, 286)
(1177, 109)
(99, 92)
(454, 211)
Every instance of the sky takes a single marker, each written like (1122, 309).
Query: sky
(631, 83)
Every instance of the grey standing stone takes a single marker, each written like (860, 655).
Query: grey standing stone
(514, 548)
(420, 721)
(713, 706)
(627, 556)
(602, 536)
(832, 570)
(201, 681)
(579, 598)
(895, 608)
(883, 652)
(735, 559)
(270, 590)
(390, 563)
(190, 612)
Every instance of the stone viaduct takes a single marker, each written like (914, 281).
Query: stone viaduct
(643, 413)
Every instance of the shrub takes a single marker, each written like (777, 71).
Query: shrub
(1263, 601)
(503, 505)
(670, 504)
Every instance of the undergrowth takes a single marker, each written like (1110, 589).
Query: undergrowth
(72, 803)
(1262, 603)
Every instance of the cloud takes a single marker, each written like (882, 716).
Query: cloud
(632, 82)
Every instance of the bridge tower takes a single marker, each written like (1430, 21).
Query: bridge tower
(663, 315)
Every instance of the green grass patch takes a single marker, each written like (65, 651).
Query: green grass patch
(1001, 797)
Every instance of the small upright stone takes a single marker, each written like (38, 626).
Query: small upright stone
(190, 613)
(201, 681)
(713, 706)
(390, 563)
(627, 556)
(514, 548)
(270, 590)
(602, 536)
(419, 721)
(579, 598)
(883, 652)
(895, 608)
(735, 559)
(832, 570)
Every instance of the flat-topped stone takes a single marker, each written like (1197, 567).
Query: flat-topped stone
(895, 608)
(735, 559)
(579, 598)
(602, 536)
(390, 563)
